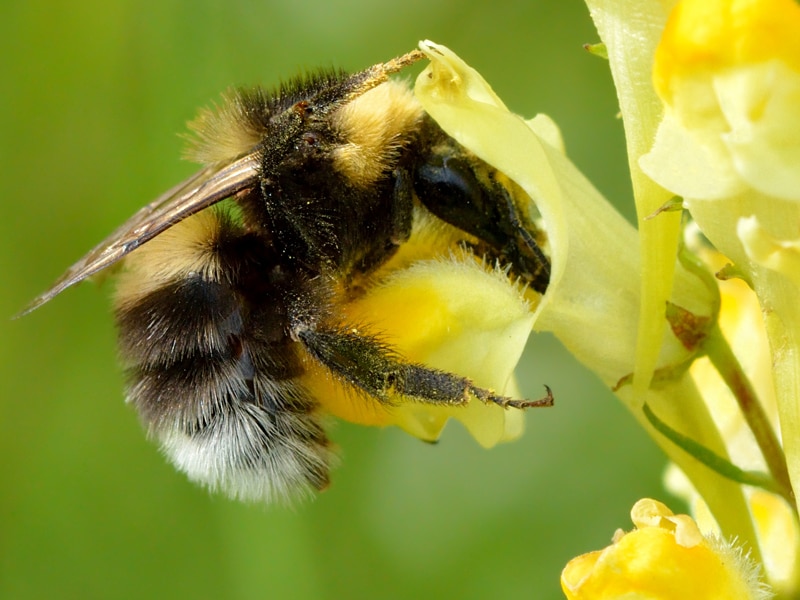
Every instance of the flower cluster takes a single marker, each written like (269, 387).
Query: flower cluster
(709, 93)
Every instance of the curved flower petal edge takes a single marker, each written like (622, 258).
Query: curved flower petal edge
(593, 300)
(764, 249)
(667, 557)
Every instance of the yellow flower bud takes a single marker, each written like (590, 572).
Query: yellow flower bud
(664, 557)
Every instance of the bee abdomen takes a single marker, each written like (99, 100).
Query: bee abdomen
(217, 385)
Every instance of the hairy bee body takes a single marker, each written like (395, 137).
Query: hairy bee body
(211, 369)
(225, 312)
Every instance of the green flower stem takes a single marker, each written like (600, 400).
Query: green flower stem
(712, 460)
(680, 404)
(729, 368)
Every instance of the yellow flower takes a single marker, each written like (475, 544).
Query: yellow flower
(596, 293)
(709, 93)
(728, 73)
(630, 31)
(434, 312)
(776, 526)
(665, 557)
(610, 283)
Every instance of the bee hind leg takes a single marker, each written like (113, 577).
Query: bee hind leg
(372, 367)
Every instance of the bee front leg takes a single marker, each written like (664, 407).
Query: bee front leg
(463, 191)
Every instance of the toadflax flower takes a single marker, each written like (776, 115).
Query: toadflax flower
(709, 95)
(728, 73)
(665, 557)
(596, 296)
(434, 312)
(709, 92)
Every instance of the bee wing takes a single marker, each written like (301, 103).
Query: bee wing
(206, 187)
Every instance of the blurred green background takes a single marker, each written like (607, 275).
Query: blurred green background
(93, 94)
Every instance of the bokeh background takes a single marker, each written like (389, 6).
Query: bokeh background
(92, 96)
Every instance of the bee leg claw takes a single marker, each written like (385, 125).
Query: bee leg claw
(505, 402)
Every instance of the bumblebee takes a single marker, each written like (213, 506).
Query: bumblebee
(224, 312)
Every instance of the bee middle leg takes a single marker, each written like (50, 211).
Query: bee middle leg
(372, 367)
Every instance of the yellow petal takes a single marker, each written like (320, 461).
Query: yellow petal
(729, 73)
(711, 35)
(666, 558)
(779, 534)
(452, 314)
(593, 301)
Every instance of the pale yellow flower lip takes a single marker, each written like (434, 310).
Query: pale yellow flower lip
(435, 312)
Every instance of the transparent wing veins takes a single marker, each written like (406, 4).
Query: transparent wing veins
(203, 189)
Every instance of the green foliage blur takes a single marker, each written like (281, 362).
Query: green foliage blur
(93, 94)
